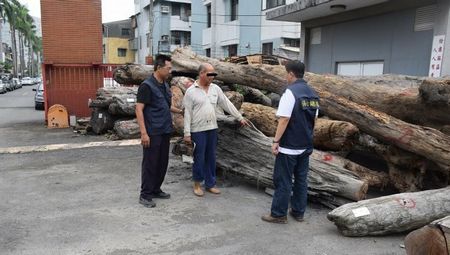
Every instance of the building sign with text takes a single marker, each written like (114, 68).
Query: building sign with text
(437, 54)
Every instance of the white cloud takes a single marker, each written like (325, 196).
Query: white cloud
(112, 10)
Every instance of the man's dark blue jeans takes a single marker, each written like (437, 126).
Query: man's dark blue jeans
(287, 166)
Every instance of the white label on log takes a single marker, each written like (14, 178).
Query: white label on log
(359, 212)
(130, 100)
(100, 115)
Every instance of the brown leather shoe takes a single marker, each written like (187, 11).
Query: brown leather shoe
(198, 189)
(279, 220)
(296, 217)
(214, 190)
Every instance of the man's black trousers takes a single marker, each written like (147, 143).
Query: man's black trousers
(154, 165)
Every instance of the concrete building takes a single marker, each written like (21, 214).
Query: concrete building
(116, 46)
(225, 28)
(353, 37)
(170, 25)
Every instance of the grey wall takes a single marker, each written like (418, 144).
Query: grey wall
(389, 37)
(198, 23)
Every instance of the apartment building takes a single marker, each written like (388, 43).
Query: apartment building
(372, 37)
(226, 28)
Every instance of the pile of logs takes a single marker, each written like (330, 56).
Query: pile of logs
(388, 132)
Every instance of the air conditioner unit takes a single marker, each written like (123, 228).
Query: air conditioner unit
(165, 9)
(165, 38)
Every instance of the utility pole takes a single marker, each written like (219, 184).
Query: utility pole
(149, 59)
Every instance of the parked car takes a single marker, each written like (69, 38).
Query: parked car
(27, 81)
(16, 82)
(2, 87)
(8, 84)
(39, 97)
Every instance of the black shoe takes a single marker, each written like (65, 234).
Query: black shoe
(147, 202)
(161, 195)
(298, 218)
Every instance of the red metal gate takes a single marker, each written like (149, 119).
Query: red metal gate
(72, 85)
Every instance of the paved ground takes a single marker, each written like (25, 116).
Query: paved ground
(84, 201)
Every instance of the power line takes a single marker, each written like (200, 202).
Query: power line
(241, 25)
(228, 15)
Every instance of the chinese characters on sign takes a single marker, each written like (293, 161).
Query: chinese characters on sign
(437, 53)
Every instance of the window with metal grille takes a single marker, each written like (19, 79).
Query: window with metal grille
(267, 48)
(274, 3)
(121, 52)
(234, 10)
(125, 31)
(232, 50)
(425, 18)
(208, 11)
(291, 42)
(176, 9)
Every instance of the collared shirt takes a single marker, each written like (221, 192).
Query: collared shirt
(200, 108)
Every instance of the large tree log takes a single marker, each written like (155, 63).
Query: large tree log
(132, 74)
(397, 95)
(401, 101)
(328, 134)
(246, 151)
(101, 121)
(424, 141)
(391, 214)
(127, 129)
(253, 95)
(433, 239)
(407, 171)
(177, 101)
(374, 179)
(435, 91)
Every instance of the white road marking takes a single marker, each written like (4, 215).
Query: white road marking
(67, 146)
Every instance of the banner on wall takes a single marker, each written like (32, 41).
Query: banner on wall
(437, 54)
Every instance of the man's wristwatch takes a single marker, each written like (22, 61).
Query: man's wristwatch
(275, 141)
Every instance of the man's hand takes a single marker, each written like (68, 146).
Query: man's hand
(145, 140)
(187, 140)
(275, 148)
(244, 122)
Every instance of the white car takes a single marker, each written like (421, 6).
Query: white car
(27, 81)
(2, 87)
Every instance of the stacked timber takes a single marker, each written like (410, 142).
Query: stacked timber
(401, 122)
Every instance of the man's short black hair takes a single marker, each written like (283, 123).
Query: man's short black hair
(296, 67)
(160, 61)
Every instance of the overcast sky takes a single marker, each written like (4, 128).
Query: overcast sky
(112, 10)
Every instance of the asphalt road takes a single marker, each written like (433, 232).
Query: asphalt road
(85, 201)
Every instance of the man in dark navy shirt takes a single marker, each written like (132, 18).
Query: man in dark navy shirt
(292, 145)
(153, 109)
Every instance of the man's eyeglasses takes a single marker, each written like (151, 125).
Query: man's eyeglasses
(211, 74)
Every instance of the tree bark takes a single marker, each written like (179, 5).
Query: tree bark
(253, 95)
(424, 141)
(127, 129)
(373, 178)
(403, 101)
(391, 214)
(328, 134)
(407, 171)
(435, 92)
(433, 239)
(101, 121)
(246, 151)
(132, 74)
